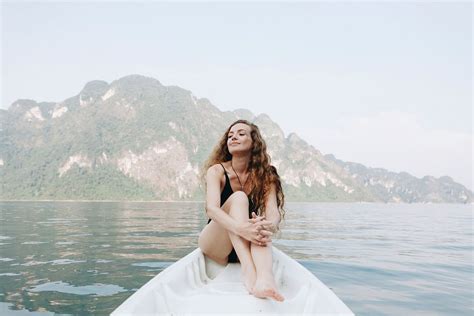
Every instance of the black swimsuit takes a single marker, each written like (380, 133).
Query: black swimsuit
(226, 192)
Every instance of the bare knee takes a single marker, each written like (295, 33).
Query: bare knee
(239, 197)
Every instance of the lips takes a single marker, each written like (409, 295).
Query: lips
(234, 143)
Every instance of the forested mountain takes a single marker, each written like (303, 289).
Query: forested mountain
(137, 139)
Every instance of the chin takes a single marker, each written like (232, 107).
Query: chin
(235, 150)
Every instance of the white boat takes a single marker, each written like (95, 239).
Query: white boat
(196, 284)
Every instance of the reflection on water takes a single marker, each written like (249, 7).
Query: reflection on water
(88, 257)
(95, 289)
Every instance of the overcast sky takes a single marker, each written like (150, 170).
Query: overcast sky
(386, 84)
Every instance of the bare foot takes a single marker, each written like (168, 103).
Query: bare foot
(265, 287)
(248, 277)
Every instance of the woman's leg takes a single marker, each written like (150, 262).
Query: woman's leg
(216, 242)
(256, 261)
(238, 208)
(265, 285)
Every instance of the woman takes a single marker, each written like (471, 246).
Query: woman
(241, 183)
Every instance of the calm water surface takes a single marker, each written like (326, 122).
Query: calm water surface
(380, 259)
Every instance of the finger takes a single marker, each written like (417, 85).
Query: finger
(255, 218)
(254, 215)
(265, 222)
(257, 242)
(265, 237)
(265, 233)
(269, 228)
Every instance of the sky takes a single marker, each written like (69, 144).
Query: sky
(385, 84)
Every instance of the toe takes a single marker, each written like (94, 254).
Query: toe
(277, 296)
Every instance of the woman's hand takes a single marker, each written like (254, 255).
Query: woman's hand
(254, 230)
(267, 228)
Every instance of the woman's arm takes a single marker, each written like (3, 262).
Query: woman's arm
(213, 200)
(272, 213)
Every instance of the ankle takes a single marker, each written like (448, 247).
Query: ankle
(249, 269)
(264, 275)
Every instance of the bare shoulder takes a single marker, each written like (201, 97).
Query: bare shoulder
(215, 170)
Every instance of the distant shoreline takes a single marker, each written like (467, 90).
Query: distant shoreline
(202, 201)
(138, 201)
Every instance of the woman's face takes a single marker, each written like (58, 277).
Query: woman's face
(239, 139)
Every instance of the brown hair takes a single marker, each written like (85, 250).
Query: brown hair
(261, 173)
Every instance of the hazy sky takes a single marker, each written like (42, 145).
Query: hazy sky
(386, 84)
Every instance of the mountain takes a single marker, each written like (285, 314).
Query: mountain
(137, 139)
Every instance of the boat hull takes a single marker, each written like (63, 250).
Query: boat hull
(197, 285)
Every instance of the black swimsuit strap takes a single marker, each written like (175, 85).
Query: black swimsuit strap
(225, 172)
(223, 167)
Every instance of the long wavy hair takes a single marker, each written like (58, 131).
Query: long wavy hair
(261, 173)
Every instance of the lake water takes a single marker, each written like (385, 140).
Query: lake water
(380, 259)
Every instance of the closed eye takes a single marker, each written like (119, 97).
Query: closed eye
(239, 135)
